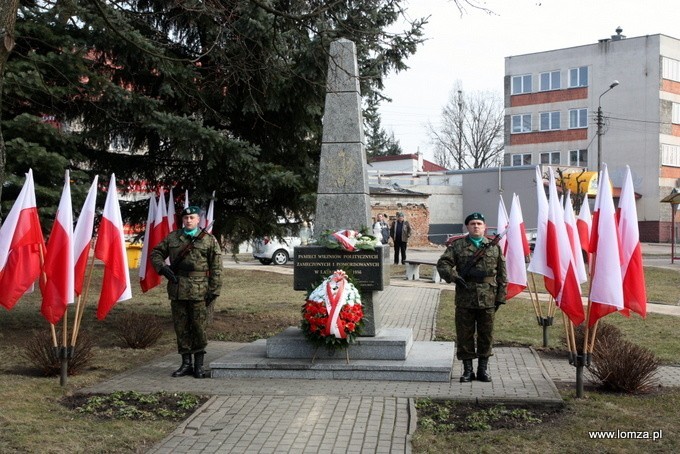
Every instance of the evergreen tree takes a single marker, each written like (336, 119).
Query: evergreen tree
(200, 95)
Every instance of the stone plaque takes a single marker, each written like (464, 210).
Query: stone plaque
(368, 269)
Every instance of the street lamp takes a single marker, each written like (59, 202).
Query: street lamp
(600, 123)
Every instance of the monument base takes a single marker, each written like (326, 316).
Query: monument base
(423, 361)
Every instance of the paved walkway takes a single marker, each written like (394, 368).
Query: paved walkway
(311, 416)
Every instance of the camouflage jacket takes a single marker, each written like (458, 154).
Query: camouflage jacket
(491, 265)
(199, 273)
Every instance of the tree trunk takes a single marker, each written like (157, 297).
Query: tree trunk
(8, 19)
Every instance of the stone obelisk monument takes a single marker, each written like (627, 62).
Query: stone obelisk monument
(342, 196)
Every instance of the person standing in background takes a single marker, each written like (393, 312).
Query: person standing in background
(381, 230)
(400, 231)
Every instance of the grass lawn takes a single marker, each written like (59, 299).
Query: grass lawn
(653, 414)
(258, 304)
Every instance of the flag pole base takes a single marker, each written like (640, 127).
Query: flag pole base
(545, 322)
(580, 362)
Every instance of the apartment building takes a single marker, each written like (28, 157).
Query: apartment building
(552, 100)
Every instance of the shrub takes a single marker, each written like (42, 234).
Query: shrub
(40, 351)
(623, 366)
(138, 330)
(605, 332)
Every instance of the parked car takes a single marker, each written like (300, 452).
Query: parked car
(278, 251)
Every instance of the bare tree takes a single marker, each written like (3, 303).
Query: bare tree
(470, 135)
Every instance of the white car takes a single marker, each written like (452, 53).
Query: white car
(270, 250)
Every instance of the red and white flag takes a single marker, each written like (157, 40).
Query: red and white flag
(21, 246)
(583, 225)
(606, 285)
(502, 224)
(539, 260)
(517, 249)
(634, 291)
(564, 286)
(110, 249)
(574, 240)
(82, 237)
(210, 217)
(148, 277)
(172, 216)
(160, 224)
(57, 286)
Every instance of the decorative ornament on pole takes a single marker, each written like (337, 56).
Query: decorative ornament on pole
(600, 124)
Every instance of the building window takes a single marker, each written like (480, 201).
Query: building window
(551, 157)
(521, 123)
(578, 77)
(670, 155)
(550, 121)
(675, 118)
(578, 158)
(578, 118)
(670, 69)
(523, 159)
(550, 81)
(521, 84)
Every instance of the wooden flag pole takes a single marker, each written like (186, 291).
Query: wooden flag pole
(85, 295)
(566, 321)
(538, 302)
(534, 301)
(63, 378)
(75, 321)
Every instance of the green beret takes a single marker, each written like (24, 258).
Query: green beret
(400, 214)
(474, 217)
(191, 210)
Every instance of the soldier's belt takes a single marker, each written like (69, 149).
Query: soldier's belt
(193, 273)
(482, 280)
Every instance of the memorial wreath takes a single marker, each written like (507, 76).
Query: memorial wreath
(333, 315)
(348, 240)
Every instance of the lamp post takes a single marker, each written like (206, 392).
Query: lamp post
(600, 124)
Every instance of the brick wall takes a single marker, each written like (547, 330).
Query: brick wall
(417, 215)
(654, 231)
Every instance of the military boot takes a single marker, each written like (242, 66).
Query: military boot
(198, 365)
(468, 375)
(482, 374)
(185, 368)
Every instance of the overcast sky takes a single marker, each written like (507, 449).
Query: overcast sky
(472, 48)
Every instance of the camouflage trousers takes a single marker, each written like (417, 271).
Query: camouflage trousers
(189, 318)
(467, 322)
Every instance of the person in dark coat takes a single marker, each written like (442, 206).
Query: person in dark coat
(400, 232)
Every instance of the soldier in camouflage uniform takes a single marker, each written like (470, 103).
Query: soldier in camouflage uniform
(193, 284)
(479, 293)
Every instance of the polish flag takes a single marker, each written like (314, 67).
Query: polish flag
(574, 240)
(502, 224)
(634, 292)
(148, 277)
(565, 287)
(583, 225)
(160, 224)
(210, 217)
(517, 249)
(57, 286)
(82, 236)
(606, 284)
(21, 246)
(539, 260)
(347, 239)
(172, 216)
(110, 249)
